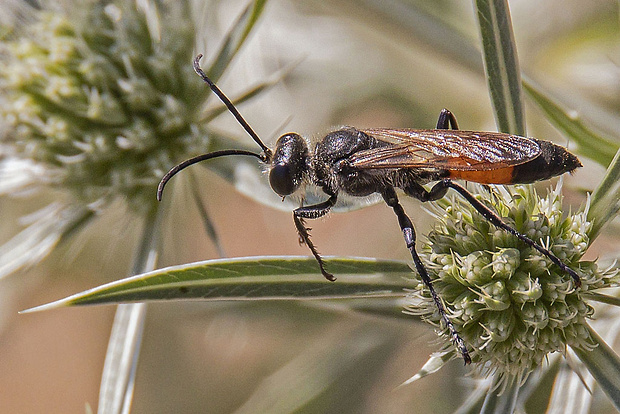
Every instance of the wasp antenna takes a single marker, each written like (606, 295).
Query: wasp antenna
(231, 107)
(197, 159)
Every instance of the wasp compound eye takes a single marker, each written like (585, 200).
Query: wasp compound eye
(281, 180)
(288, 165)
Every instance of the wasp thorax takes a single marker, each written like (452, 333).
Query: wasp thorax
(288, 164)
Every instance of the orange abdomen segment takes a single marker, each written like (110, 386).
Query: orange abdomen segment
(498, 176)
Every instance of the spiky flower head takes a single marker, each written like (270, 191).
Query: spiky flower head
(102, 97)
(510, 304)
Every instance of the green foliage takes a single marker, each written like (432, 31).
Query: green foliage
(265, 278)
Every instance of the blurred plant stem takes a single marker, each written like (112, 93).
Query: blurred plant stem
(501, 65)
(119, 371)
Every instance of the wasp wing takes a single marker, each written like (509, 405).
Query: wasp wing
(445, 149)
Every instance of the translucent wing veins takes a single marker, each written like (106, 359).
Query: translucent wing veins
(447, 149)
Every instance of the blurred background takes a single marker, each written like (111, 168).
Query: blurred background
(367, 63)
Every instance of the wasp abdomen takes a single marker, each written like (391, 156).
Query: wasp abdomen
(552, 161)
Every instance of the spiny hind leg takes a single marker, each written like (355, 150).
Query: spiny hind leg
(406, 226)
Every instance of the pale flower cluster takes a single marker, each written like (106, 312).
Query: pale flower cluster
(510, 304)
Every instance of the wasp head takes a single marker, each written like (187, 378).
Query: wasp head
(288, 164)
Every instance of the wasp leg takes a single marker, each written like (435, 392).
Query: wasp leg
(439, 190)
(389, 195)
(446, 119)
(313, 212)
(415, 190)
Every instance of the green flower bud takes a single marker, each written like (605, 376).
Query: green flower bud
(497, 326)
(476, 268)
(534, 314)
(505, 262)
(466, 308)
(523, 289)
(495, 296)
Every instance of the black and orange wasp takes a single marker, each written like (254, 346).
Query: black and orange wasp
(360, 162)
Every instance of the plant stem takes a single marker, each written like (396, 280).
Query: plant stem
(117, 380)
(501, 65)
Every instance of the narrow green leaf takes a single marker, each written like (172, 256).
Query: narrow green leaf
(605, 203)
(475, 399)
(436, 25)
(536, 392)
(267, 278)
(121, 361)
(501, 65)
(317, 374)
(497, 402)
(589, 143)
(235, 38)
(604, 365)
(570, 391)
(599, 297)
(434, 364)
